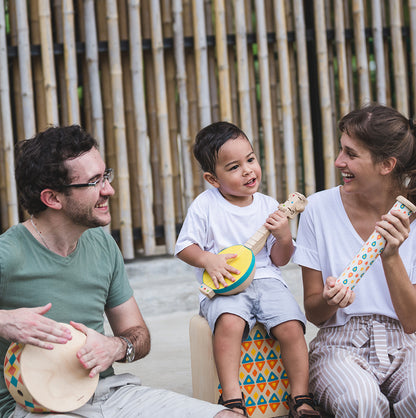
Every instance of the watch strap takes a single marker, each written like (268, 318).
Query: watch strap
(129, 355)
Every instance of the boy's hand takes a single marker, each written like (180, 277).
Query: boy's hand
(278, 225)
(217, 267)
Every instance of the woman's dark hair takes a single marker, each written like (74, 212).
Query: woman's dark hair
(386, 133)
(40, 162)
(210, 139)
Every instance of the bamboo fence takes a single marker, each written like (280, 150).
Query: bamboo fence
(143, 76)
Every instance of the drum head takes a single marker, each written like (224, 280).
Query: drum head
(244, 262)
(56, 378)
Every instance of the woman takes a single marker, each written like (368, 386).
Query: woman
(363, 358)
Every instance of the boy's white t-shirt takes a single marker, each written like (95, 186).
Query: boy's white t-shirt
(327, 241)
(213, 223)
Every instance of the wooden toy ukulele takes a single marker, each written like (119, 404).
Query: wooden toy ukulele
(373, 247)
(245, 261)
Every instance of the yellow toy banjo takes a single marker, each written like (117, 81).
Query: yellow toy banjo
(245, 261)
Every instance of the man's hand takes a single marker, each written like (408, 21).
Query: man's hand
(99, 351)
(30, 326)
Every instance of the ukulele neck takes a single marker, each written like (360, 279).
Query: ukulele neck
(294, 204)
(257, 241)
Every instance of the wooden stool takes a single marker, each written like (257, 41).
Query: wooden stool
(263, 379)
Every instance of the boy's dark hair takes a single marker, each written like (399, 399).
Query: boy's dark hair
(210, 139)
(40, 162)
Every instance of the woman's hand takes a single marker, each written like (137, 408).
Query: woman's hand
(337, 294)
(394, 227)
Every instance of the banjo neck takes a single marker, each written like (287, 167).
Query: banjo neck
(295, 204)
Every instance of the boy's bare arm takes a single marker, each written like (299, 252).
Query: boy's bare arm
(282, 250)
(193, 255)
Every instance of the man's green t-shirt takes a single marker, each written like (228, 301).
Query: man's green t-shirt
(80, 287)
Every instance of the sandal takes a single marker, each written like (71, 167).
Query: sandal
(238, 403)
(297, 401)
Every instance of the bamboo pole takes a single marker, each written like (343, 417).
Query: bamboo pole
(58, 31)
(387, 54)
(108, 117)
(232, 59)
(181, 76)
(222, 61)
(361, 52)
(329, 27)
(163, 125)
(399, 62)
(412, 13)
(252, 89)
(291, 47)
(212, 64)
(344, 99)
(242, 64)
(192, 90)
(85, 100)
(276, 107)
(131, 142)
(15, 74)
(349, 53)
(144, 173)
(119, 129)
(201, 61)
(325, 97)
(7, 130)
(304, 99)
(94, 89)
(37, 73)
(286, 96)
(48, 62)
(171, 91)
(25, 69)
(379, 52)
(266, 110)
(122, 12)
(71, 76)
(130, 122)
(152, 123)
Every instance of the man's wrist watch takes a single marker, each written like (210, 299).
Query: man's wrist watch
(129, 357)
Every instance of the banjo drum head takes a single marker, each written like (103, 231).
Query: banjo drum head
(49, 380)
(244, 262)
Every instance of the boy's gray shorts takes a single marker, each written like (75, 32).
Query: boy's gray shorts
(268, 301)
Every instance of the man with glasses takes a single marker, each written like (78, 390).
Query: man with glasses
(60, 266)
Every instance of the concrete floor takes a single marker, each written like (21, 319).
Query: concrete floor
(167, 293)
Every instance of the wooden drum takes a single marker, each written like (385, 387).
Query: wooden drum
(49, 380)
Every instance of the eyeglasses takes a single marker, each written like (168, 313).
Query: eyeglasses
(107, 176)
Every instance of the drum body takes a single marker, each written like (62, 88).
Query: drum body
(43, 380)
